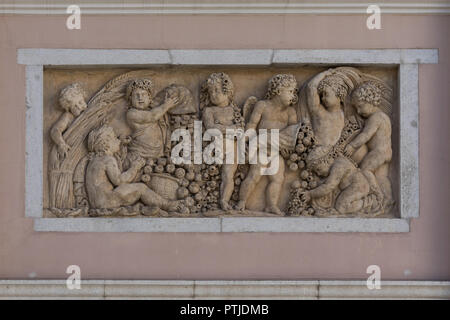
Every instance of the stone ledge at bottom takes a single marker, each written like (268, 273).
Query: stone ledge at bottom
(179, 289)
(224, 224)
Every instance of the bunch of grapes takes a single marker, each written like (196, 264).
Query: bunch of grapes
(350, 130)
(305, 143)
(297, 205)
(239, 176)
(307, 179)
(204, 189)
(185, 121)
(238, 118)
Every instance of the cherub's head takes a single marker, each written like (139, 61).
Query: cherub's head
(140, 93)
(366, 98)
(320, 160)
(332, 91)
(285, 87)
(72, 98)
(103, 140)
(218, 90)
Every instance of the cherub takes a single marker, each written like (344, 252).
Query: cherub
(342, 173)
(107, 186)
(275, 112)
(219, 112)
(376, 134)
(72, 101)
(325, 95)
(149, 139)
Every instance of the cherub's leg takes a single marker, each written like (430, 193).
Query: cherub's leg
(151, 198)
(385, 184)
(373, 183)
(247, 186)
(132, 192)
(377, 162)
(373, 160)
(274, 188)
(350, 200)
(129, 193)
(227, 185)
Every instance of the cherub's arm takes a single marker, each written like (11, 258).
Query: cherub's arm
(57, 131)
(146, 116)
(337, 172)
(256, 115)
(116, 177)
(312, 96)
(208, 120)
(370, 128)
(154, 114)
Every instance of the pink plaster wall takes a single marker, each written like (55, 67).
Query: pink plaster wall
(424, 253)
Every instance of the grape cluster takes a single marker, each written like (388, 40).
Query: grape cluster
(185, 121)
(239, 176)
(297, 206)
(305, 143)
(205, 189)
(307, 179)
(238, 118)
(350, 130)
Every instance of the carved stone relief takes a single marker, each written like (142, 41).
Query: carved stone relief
(109, 143)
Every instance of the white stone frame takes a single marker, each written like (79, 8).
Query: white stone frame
(406, 59)
(224, 290)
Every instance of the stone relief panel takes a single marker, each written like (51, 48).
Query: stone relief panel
(207, 142)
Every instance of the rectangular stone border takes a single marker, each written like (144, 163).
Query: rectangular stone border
(242, 290)
(241, 224)
(406, 59)
(34, 140)
(84, 57)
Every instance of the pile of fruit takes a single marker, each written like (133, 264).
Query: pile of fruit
(198, 185)
(305, 143)
(185, 121)
(307, 179)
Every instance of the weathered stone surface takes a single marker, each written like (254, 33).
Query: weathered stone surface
(198, 289)
(108, 151)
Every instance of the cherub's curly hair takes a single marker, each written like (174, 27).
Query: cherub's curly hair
(277, 82)
(66, 95)
(145, 84)
(320, 154)
(227, 88)
(336, 83)
(96, 141)
(368, 92)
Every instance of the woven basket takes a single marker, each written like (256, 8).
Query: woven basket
(164, 185)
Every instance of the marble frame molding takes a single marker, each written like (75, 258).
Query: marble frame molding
(407, 60)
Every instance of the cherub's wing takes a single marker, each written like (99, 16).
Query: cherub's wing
(247, 109)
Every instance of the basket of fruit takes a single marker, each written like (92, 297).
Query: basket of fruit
(165, 185)
(160, 176)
